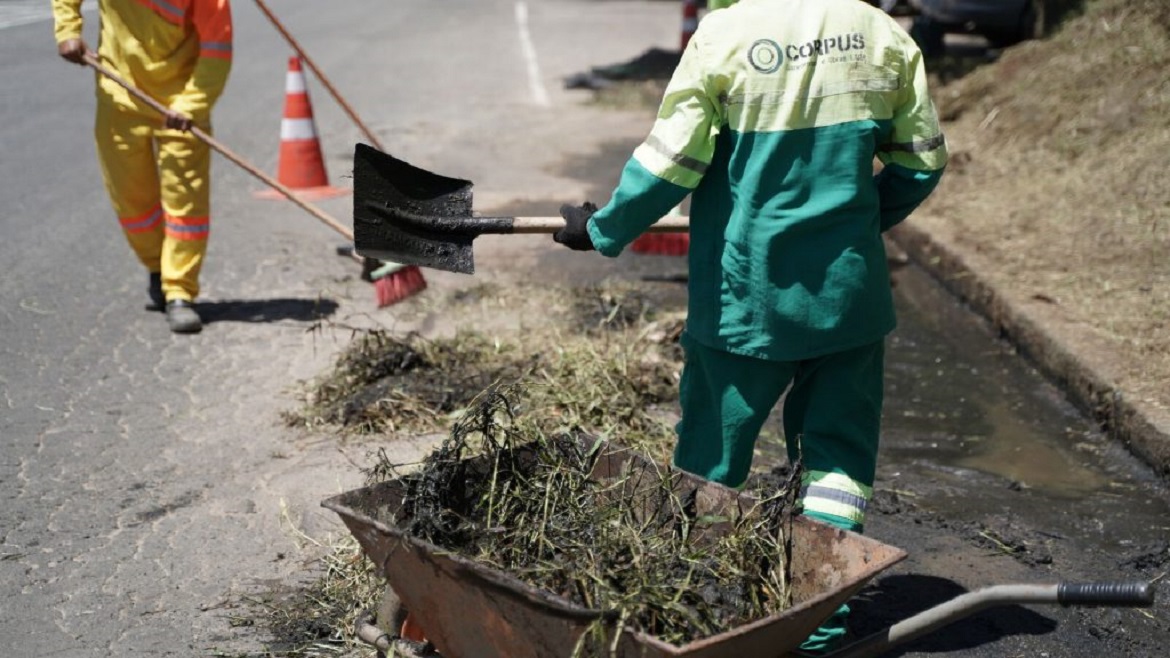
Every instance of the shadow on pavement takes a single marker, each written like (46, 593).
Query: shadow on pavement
(266, 310)
(653, 64)
(896, 598)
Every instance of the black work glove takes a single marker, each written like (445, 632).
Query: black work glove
(575, 235)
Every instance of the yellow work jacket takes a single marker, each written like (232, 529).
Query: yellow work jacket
(178, 51)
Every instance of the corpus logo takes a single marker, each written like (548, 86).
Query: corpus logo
(765, 56)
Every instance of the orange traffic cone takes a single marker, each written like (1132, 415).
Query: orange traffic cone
(301, 166)
(690, 22)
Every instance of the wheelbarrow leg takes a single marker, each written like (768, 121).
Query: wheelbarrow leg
(1134, 594)
(391, 614)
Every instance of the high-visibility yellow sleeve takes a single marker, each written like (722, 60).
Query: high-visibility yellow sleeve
(67, 19)
(212, 20)
(917, 140)
(682, 141)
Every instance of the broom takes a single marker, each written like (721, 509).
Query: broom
(392, 282)
(663, 244)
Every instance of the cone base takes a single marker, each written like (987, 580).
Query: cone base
(310, 193)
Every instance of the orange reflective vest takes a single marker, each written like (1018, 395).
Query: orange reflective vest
(178, 51)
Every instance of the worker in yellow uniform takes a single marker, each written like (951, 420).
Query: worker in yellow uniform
(157, 173)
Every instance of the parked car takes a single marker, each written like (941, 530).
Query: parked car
(1001, 22)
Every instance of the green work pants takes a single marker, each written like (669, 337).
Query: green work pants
(832, 419)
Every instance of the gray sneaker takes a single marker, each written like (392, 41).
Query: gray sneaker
(182, 318)
(158, 301)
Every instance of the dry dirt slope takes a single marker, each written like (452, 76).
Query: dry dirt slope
(1058, 198)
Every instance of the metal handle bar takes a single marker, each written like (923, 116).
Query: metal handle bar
(1131, 594)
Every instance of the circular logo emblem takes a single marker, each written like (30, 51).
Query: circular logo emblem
(765, 56)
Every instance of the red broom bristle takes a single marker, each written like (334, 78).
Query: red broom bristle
(662, 244)
(399, 285)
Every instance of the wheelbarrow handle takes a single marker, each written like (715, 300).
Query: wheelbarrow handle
(1128, 594)
(1133, 595)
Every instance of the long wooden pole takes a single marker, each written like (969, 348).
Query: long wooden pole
(320, 76)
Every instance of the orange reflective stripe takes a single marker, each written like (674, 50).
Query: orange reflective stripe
(213, 21)
(168, 10)
(217, 49)
(188, 228)
(142, 223)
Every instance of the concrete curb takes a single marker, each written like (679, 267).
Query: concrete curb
(1142, 427)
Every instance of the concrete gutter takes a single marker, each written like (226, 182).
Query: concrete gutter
(1052, 345)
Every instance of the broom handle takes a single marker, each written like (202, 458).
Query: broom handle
(669, 224)
(320, 76)
(332, 223)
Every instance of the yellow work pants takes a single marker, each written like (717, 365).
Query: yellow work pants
(159, 185)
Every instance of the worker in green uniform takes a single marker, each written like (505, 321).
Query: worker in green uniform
(771, 122)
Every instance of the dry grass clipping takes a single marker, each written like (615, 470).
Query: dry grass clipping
(1058, 178)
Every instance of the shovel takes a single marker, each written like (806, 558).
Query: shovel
(409, 215)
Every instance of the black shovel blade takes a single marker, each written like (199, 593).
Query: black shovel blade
(387, 192)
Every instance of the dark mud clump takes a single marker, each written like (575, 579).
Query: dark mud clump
(385, 383)
(611, 308)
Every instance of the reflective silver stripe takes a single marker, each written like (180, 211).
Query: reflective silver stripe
(684, 161)
(921, 146)
(851, 86)
(843, 497)
(836, 88)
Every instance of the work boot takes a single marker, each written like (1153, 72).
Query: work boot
(182, 318)
(158, 301)
(832, 635)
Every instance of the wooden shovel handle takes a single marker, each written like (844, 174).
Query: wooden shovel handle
(670, 224)
(313, 210)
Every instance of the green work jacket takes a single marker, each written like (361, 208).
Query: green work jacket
(772, 122)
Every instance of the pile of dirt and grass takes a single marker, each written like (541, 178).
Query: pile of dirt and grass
(607, 363)
(319, 618)
(1056, 190)
(632, 544)
(604, 360)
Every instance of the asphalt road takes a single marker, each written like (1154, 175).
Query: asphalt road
(146, 480)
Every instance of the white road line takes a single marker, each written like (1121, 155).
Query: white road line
(23, 12)
(539, 93)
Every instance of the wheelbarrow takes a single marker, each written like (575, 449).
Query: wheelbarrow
(470, 610)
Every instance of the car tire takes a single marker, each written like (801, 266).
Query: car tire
(1034, 21)
(930, 37)
(1032, 24)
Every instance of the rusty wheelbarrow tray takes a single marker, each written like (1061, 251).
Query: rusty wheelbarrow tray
(470, 610)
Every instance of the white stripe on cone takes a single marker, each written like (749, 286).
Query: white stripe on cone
(291, 129)
(294, 82)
